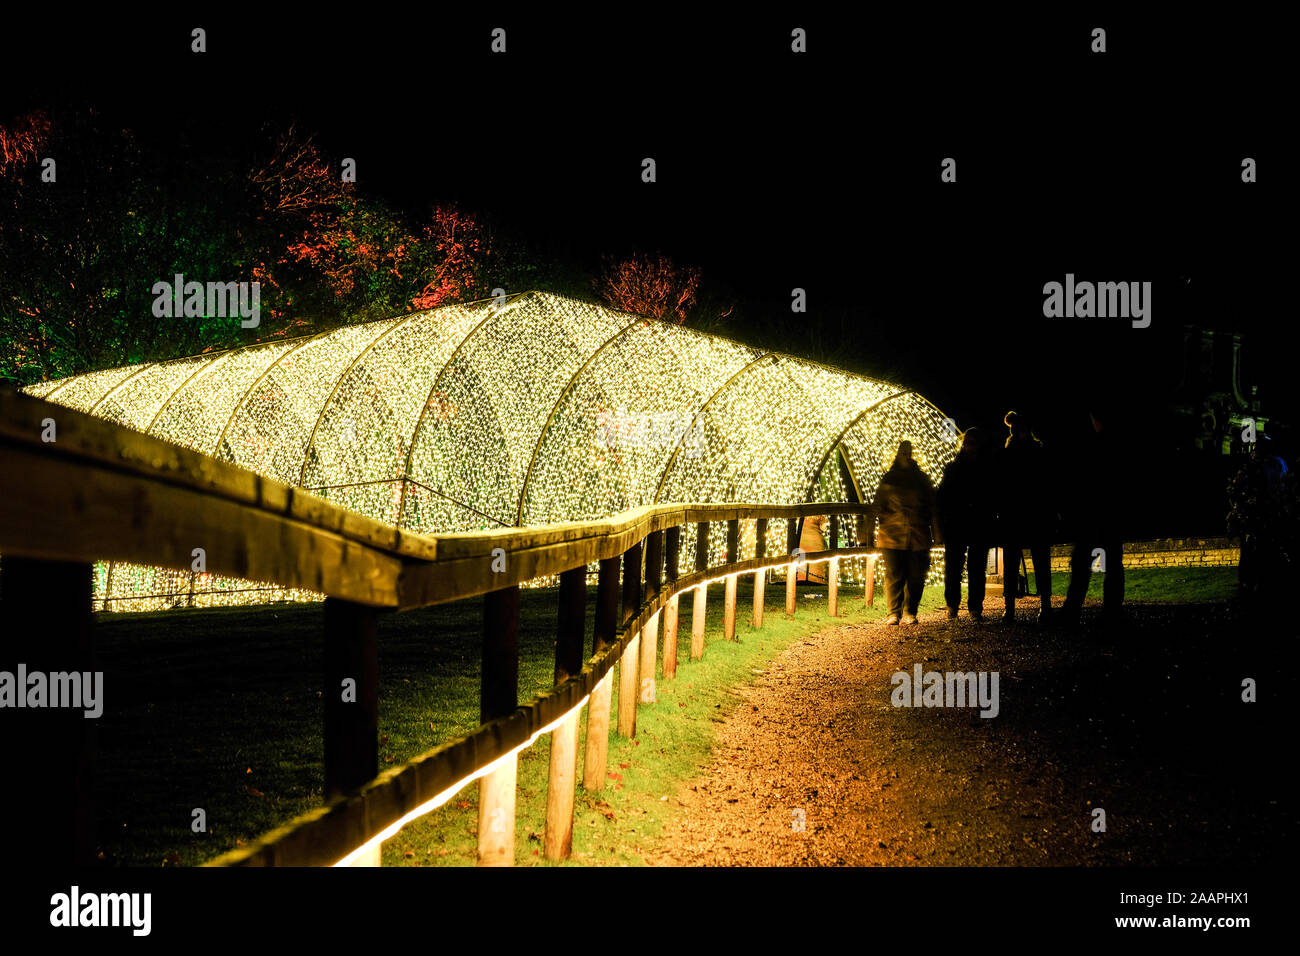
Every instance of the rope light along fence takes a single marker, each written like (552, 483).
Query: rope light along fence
(638, 585)
(100, 491)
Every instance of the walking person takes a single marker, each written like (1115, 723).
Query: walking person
(1257, 513)
(813, 538)
(966, 518)
(909, 525)
(1025, 515)
(1099, 534)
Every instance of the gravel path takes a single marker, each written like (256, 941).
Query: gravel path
(1121, 718)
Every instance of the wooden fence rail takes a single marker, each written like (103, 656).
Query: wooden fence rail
(98, 491)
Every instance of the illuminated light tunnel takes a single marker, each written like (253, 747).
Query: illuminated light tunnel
(527, 411)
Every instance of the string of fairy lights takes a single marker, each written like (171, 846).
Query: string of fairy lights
(531, 411)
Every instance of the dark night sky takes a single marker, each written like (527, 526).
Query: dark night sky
(776, 171)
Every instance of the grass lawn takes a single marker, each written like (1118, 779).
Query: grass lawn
(220, 709)
(1158, 585)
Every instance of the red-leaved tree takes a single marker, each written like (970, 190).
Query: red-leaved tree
(23, 139)
(652, 286)
(459, 247)
(357, 251)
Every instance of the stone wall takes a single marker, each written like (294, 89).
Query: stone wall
(1165, 553)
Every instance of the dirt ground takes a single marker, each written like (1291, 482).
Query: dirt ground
(1144, 720)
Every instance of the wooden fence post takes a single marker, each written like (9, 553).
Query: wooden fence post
(496, 815)
(868, 535)
(833, 587)
(351, 695)
(791, 581)
(499, 697)
(673, 551)
(670, 638)
(627, 687)
(729, 595)
(701, 592)
(760, 576)
(47, 754)
(729, 608)
(699, 609)
(564, 738)
(702, 546)
(606, 605)
(793, 528)
(654, 563)
(649, 649)
(593, 764)
(500, 676)
(654, 552)
(627, 664)
(833, 571)
(571, 623)
(559, 792)
(631, 582)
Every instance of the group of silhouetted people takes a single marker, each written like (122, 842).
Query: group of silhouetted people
(1007, 499)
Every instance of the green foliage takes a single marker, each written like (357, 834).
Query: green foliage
(83, 254)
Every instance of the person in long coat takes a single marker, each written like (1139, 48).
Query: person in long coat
(1100, 520)
(1025, 515)
(908, 527)
(813, 538)
(967, 512)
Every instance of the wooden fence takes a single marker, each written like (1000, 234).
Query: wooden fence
(77, 489)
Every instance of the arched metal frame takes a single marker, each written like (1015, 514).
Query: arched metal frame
(830, 450)
(672, 459)
(311, 440)
(559, 402)
(405, 476)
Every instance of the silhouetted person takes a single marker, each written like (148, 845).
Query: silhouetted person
(1025, 515)
(1257, 514)
(966, 518)
(1101, 506)
(813, 538)
(905, 506)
